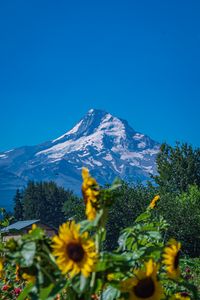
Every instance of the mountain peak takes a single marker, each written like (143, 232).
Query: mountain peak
(105, 144)
(88, 124)
(99, 133)
(95, 113)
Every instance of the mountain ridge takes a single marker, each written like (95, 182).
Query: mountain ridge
(107, 145)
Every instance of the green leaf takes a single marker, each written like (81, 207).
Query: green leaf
(143, 217)
(101, 266)
(25, 292)
(155, 234)
(37, 233)
(86, 226)
(110, 293)
(44, 293)
(28, 252)
(80, 284)
(57, 289)
(83, 283)
(117, 183)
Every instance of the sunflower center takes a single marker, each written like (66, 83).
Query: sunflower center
(176, 260)
(184, 294)
(75, 251)
(145, 288)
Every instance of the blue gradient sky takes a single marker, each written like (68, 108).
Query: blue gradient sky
(139, 60)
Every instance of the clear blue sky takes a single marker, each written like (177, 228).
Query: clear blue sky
(139, 60)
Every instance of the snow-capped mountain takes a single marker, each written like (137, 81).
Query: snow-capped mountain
(105, 144)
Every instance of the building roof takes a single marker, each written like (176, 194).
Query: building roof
(19, 225)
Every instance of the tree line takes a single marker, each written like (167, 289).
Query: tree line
(44, 201)
(177, 182)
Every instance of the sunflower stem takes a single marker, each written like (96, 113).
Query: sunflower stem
(97, 245)
(98, 240)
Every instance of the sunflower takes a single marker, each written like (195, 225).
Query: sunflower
(28, 277)
(171, 258)
(181, 296)
(24, 273)
(17, 275)
(144, 285)
(154, 202)
(75, 252)
(1, 267)
(34, 226)
(90, 191)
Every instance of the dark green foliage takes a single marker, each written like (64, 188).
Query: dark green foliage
(182, 212)
(131, 201)
(191, 270)
(178, 182)
(74, 208)
(178, 167)
(18, 207)
(5, 218)
(44, 201)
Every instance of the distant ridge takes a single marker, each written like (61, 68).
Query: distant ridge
(107, 145)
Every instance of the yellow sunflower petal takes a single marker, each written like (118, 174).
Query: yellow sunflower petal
(74, 253)
(144, 285)
(85, 173)
(171, 258)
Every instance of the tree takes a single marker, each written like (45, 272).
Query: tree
(74, 208)
(131, 201)
(44, 201)
(182, 212)
(178, 167)
(29, 201)
(18, 207)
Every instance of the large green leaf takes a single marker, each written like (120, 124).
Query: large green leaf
(44, 293)
(143, 217)
(28, 252)
(23, 295)
(110, 293)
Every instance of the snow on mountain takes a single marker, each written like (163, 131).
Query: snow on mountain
(107, 145)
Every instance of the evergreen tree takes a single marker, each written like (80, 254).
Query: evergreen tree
(29, 201)
(178, 167)
(18, 207)
(44, 201)
(74, 208)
